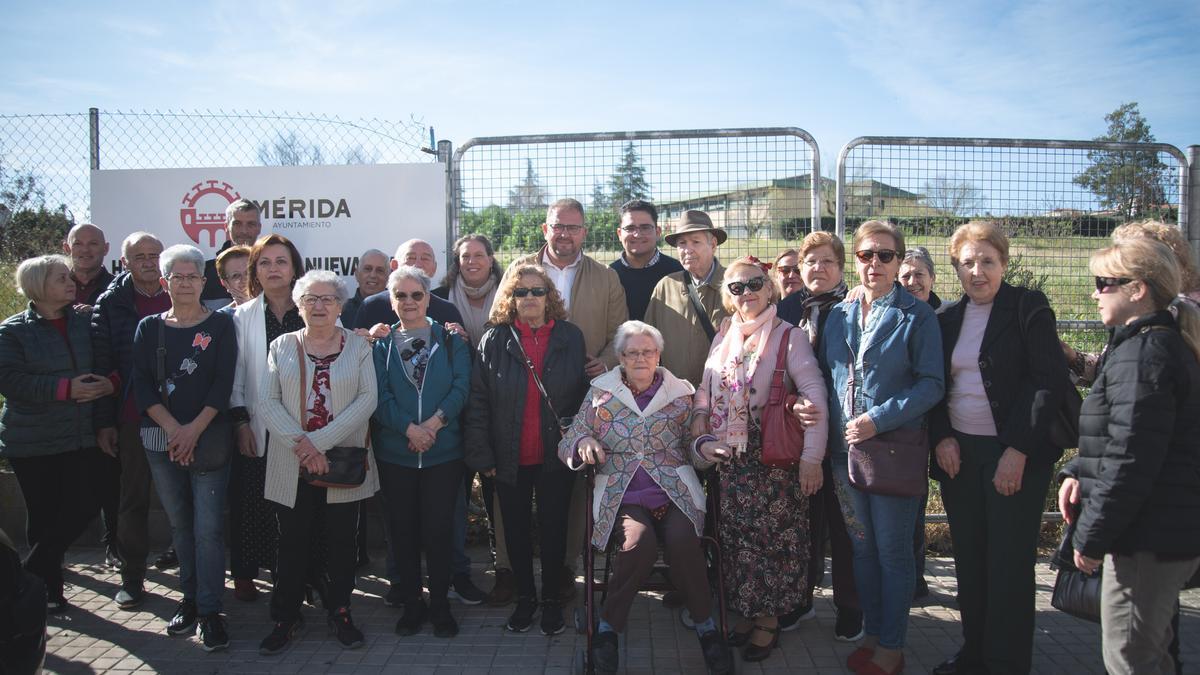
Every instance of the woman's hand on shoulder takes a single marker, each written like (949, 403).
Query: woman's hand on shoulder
(854, 294)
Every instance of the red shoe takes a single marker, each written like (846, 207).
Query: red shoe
(870, 668)
(858, 657)
(244, 590)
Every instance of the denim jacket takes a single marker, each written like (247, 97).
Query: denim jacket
(901, 363)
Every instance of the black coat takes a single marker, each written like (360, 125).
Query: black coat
(496, 407)
(1025, 383)
(114, 321)
(1139, 458)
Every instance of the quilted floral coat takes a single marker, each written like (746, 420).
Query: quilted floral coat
(655, 439)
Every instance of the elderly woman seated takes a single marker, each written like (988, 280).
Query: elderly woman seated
(633, 427)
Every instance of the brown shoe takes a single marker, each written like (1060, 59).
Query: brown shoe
(244, 590)
(566, 592)
(505, 589)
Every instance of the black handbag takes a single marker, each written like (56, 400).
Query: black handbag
(214, 448)
(1075, 593)
(1064, 425)
(348, 464)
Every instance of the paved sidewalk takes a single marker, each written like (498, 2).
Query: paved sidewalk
(95, 636)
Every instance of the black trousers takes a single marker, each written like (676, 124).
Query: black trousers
(553, 489)
(60, 502)
(108, 492)
(133, 524)
(995, 554)
(312, 521)
(420, 513)
(826, 522)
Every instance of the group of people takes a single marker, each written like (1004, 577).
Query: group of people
(244, 381)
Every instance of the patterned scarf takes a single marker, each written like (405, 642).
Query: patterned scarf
(474, 318)
(814, 305)
(736, 359)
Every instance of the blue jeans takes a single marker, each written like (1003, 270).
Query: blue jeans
(881, 532)
(194, 503)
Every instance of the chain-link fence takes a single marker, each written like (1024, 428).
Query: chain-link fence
(45, 160)
(756, 183)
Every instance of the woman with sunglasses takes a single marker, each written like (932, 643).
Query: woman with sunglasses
(882, 354)
(513, 432)
(1132, 496)
(763, 524)
(424, 373)
(1006, 378)
(786, 273)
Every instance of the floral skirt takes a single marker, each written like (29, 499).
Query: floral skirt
(764, 534)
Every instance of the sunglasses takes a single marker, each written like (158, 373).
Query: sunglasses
(1103, 283)
(785, 270)
(865, 256)
(537, 292)
(416, 296)
(739, 287)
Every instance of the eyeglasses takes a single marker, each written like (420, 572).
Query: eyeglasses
(865, 256)
(785, 270)
(637, 355)
(739, 287)
(560, 228)
(236, 277)
(189, 279)
(636, 229)
(536, 291)
(416, 296)
(312, 300)
(1103, 283)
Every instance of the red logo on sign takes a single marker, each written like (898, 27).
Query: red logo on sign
(204, 210)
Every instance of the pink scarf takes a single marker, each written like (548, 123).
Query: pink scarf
(735, 361)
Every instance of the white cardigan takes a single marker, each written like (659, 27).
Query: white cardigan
(352, 401)
(248, 381)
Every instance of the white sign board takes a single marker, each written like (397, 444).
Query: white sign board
(331, 213)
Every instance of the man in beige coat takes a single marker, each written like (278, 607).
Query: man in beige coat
(592, 291)
(672, 308)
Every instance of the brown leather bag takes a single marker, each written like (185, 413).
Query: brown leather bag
(893, 463)
(782, 433)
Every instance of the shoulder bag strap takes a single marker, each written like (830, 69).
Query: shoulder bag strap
(533, 373)
(160, 355)
(777, 392)
(698, 306)
(302, 361)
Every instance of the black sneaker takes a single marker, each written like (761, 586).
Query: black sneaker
(342, 626)
(464, 591)
(57, 606)
(168, 560)
(552, 618)
(849, 625)
(791, 620)
(716, 652)
(444, 625)
(522, 617)
(184, 621)
(394, 597)
(605, 655)
(415, 613)
(131, 594)
(213, 637)
(504, 590)
(281, 636)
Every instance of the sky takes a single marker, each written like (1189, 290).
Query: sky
(838, 69)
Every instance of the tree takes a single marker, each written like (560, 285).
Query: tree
(600, 200)
(290, 150)
(27, 226)
(952, 198)
(628, 180)
(1131, 182)
(528, 195)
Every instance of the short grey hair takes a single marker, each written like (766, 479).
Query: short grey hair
(313, 277)
(408, 272)
(240, 205)
(32, 274)
(135, 239)
(180, 253)
(920, 254)
(374, 251)
(631, 329)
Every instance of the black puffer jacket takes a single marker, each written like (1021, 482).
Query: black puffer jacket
(1139, 457)
(34, 362)
(496, 407)
(114, 321)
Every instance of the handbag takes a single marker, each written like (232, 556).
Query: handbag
(214, 448)
(348, 464)
(564, 423)
(782, 432)
(1063, 432)
(892, 463)
(1075, 593)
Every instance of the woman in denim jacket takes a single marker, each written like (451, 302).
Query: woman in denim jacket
(892, 342)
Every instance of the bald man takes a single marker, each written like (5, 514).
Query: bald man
(377, 308)
(86, 246)
(371, 275)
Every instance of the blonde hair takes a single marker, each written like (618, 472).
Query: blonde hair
(1173, 238)
(978, 231)
(879, 227)
(1150, 261)
(821, 238)
(32, 274)
(504, 308)
(747, 261)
